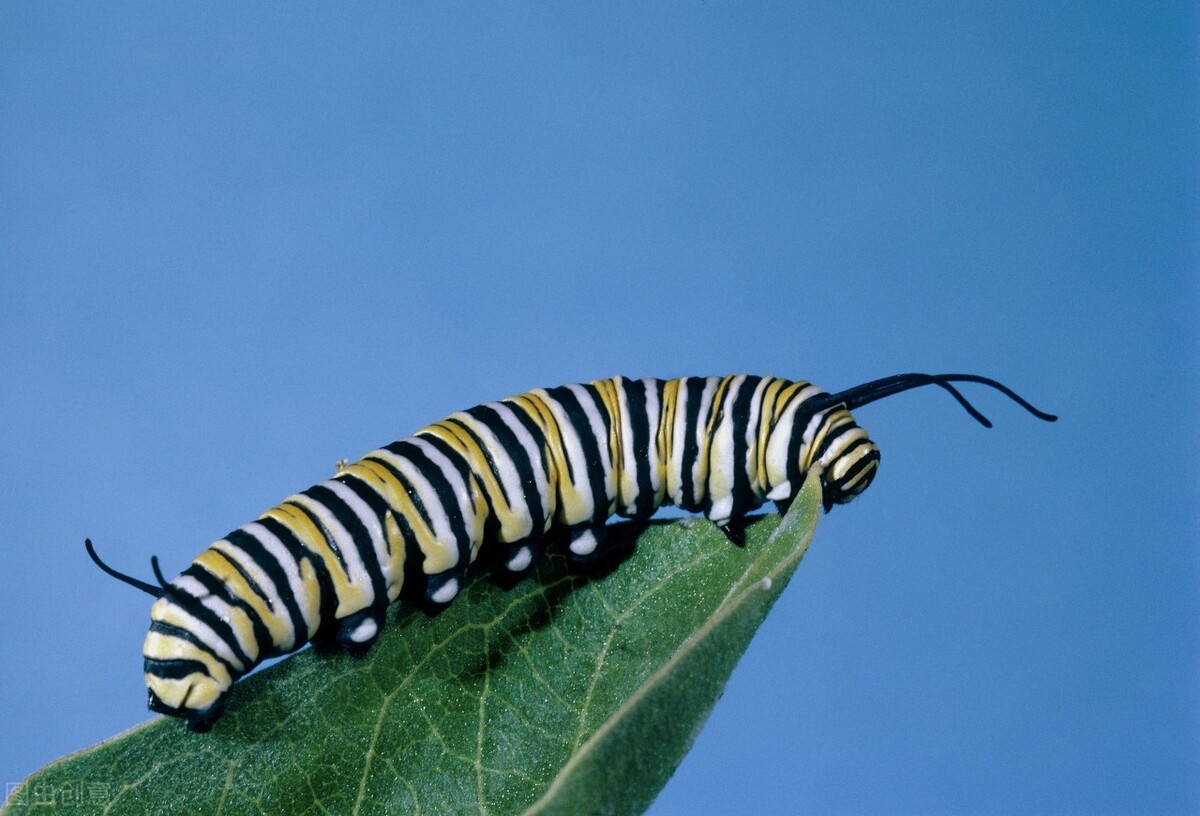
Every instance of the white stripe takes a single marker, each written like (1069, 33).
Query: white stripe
(536, 462)
(811, 429)
(653, 417)
(588, 402)
(506, 471)
(279, 613)
(720, 463)
(778, 442)
(204, 633)
(190, 585)
(356, 571)
(370, 521)
(443, 534)
(462, 493)
(574, 451)
(287, 562)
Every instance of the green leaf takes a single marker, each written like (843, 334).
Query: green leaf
(564, 695)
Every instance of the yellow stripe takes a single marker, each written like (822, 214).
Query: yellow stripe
(573, 504)
(666, 427)
(670, 414)
(221, 565)
(616, 432)
(201, 690)
(351, 598)
(833, 420)
(513, 525)
(766, 421)
(438, 558)
(395, 539)
(157, 646)
(533, 404)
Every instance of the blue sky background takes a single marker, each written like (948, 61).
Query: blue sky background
(237, 245)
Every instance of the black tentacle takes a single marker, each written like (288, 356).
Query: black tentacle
(149, 589)
(869, 392)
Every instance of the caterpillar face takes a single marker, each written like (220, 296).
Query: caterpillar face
(188, 666)
(843, 453)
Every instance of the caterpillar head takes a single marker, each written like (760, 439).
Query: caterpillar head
(185, 669)
(841, 451)
(185, 676)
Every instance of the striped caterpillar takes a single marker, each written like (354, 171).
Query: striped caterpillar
(408, 520)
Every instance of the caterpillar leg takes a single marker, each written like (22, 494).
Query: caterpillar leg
(357, 633)
(586, 542)
(520, 556)
(735, 530)
(512, 561)
(441, 589)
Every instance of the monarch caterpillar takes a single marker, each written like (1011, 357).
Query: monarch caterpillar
(407, 520)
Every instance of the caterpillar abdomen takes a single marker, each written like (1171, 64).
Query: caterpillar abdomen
(408, 520)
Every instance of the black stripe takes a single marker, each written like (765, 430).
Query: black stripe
(602, 409)
(174, 669)
(223, 591)
(366, 491)
(489, 459)
(294, 543)
(360, 537)
(804, 414)
(445, 493)
(860, 465)
(534, 427)
(571, 406)
(171, 630)
(532, 421)
(691, 446)
(412, 492)
(831, 436)
(463, 464)
(512, 448)
(326, 533)
(742, 495)
(539, 433)
(300, 552)
(460, 462)
(194, 607)
(257, 552)
(639, 423)
(254, 587)
(412, 586)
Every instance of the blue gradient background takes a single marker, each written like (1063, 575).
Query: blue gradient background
(238, 245)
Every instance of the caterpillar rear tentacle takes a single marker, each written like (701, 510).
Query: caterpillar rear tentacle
(408, 521)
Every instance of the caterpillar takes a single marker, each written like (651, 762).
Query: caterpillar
(407, 521)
